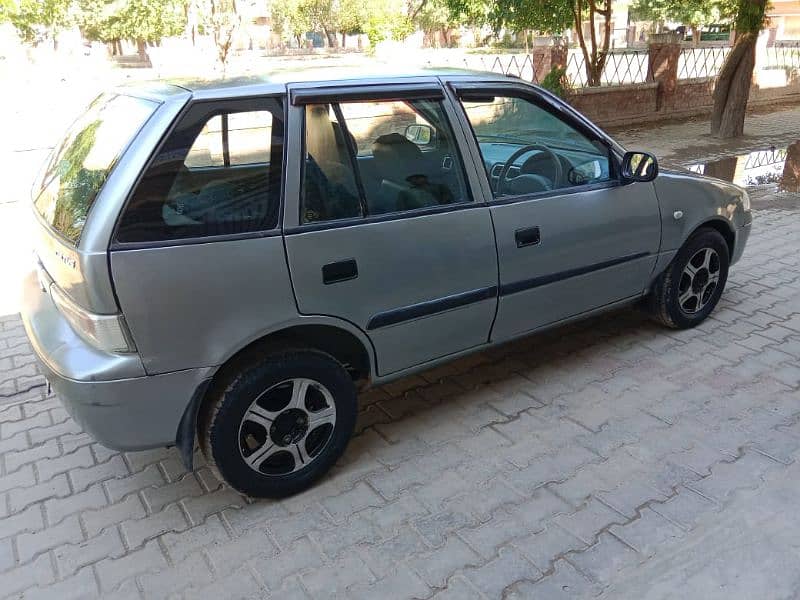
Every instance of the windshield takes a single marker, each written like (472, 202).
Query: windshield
(81, 163)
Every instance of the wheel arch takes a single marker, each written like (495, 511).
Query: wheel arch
(718, 224)
(722, 226)
(341, 340)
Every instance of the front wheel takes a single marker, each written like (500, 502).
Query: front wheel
(277, 423)
(690, 287)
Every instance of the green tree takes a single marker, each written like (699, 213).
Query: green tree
(143, 21)
(352, 17)
(732, 88)
(552, 17)
(223, 21)
(292, 18)
(436, 19)
(35, 20)
(7, 8)
(692, 13)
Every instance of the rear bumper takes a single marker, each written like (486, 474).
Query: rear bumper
(109, 395)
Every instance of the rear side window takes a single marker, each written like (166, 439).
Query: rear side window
(218, 173)
(80, 165)
(373, 157)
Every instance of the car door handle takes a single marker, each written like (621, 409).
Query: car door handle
(342, 270)
(527, 237)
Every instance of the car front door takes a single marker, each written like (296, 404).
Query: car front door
(571, 236)
(385, 233)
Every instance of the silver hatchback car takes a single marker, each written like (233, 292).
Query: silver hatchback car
(225, 264)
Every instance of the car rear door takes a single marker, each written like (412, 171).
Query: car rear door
(568, 246)
(401, 248)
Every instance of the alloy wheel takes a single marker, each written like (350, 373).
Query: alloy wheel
(287, 426)
(699, 280)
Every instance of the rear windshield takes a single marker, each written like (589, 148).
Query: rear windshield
(80, 164)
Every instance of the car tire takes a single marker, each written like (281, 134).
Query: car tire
(691, 285)
(274, 424)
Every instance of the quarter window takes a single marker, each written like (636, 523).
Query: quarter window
(527, 149)
(219, 173)
(378, 157)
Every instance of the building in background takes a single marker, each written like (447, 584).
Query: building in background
(784, 19)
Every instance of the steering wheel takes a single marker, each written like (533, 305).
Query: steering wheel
(557, 169)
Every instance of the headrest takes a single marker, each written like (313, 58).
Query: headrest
(393, 146)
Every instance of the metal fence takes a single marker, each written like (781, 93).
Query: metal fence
(783, 55)
(621, 68)
(701, 62)
(629, 66)
(518, 65)
(764, 158)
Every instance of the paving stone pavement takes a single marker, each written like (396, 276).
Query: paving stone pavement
(562, 465)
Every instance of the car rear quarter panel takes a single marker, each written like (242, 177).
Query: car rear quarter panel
(195, 305)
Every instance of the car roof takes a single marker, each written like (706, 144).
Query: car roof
(276, 81)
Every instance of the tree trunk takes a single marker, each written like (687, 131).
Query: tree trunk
(724, 168)
(696, 34)
(790, 180)
(732, 89)
(141, 48)
(594, 57)
(333, 42)
(344, 40)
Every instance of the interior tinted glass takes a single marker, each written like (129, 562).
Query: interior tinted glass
(527, 149)
(219, 173)
(377, 157)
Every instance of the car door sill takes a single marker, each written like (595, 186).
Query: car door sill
(379, 380)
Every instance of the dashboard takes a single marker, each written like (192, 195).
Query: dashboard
(578, 167)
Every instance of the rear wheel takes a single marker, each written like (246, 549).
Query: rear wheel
(277, 423)
(690, 287)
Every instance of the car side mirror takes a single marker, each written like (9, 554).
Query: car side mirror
(420, 134)
(639, 166)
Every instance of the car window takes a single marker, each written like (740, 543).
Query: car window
(81, 163)
(527, 149)
(246, 135)
(367, 121)
(366, 158)
(219, 173)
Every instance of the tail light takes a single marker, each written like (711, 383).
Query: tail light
(105, 332)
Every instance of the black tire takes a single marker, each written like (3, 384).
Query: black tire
(223, 411)
(664, 305)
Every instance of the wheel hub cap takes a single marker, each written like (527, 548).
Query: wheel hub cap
(287, 426)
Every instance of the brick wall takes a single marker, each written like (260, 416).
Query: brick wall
(629, 104)
(617, 104)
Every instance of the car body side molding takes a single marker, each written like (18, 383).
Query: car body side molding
(430, 307)
(526, 284)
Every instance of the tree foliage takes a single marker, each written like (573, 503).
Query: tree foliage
(36, 20)
(693, 13)
(550, 17)
(223, 20)
(379, 19)
(146, 20)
